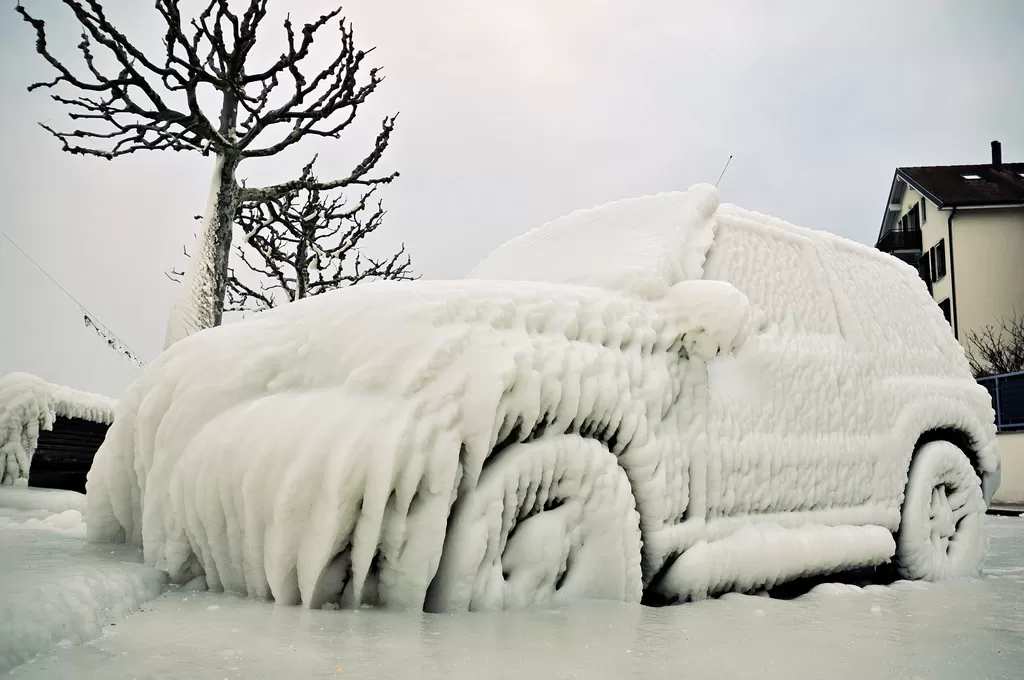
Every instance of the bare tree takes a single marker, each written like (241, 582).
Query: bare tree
(997, 349)
(305, 243)
(129, 100)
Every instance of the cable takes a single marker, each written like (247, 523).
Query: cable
(90, 318)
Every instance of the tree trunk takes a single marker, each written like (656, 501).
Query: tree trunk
(302, 260)
(200, 302)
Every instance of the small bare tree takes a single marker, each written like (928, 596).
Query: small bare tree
(129, 100)
(998, 348)
(305, 243)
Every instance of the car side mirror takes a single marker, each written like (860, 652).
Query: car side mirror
(710, 317)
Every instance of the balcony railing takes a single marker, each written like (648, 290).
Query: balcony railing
(895, 240)
(1007, 392)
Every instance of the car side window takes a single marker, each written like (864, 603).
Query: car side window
(889, 312)
(779, 272)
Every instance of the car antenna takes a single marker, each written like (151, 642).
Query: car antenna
(723, 170)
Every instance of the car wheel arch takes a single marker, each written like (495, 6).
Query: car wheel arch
(946, 419)
(958, 438)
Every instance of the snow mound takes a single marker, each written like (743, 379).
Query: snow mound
(69, 523)
(40, 501)
(28, 405)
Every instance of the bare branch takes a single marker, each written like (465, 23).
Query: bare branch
(997, 349)
(297, 237)
(312, 103)
(357, 177)
(308, 241)
(137, 115)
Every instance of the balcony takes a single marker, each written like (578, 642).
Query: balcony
(899, 240)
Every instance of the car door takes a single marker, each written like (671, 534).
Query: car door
(777, 406)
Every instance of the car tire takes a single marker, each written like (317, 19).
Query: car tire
(941, 534)
(548, 522)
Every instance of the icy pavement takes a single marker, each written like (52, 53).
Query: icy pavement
(956, 630)
(56, 590)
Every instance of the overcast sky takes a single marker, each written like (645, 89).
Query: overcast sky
(513, 113)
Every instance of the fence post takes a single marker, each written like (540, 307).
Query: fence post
(999, 406)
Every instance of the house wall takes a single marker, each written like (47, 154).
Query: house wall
(988, 246)
(1011, 486)
(988, 251)
(933, 229)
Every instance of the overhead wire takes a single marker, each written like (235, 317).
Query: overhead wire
(90, 319)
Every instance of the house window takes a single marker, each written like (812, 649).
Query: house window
(940, 259)
(924, 211)
(914, 219)
(924, 267)
(925, 271)
(947, 311)
(937, 261)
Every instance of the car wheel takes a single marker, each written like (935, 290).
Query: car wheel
(941, 533)
(549, 521)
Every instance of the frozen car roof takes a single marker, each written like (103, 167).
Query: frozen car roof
(638, 246)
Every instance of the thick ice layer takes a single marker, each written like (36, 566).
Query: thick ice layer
(263, 453)
(937, 631)
(39, 503)
(29, 404)
(782, 555)
(501, 440)
(56, 589)
(569, 504)
(193, 309)
(640, 246)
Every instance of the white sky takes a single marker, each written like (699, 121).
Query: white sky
(513, 113)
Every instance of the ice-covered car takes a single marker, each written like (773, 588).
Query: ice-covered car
(661, 395)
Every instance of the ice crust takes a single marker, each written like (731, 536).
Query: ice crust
(782, 555)
(193, 308)
(656, 391)
(28, 405)
(58, 590)
(638, 246)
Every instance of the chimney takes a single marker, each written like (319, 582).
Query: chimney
(997, 154)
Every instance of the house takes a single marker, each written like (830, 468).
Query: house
(49, 434)
(962, 226)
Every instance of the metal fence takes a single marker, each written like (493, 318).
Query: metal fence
(1007, 392)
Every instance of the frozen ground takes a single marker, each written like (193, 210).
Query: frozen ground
(956, 630)
(56, 590)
